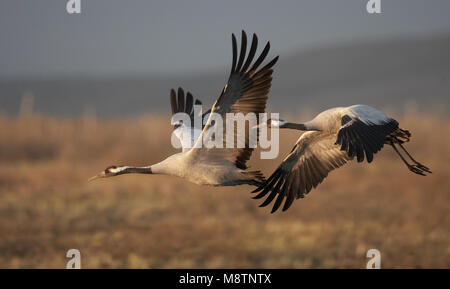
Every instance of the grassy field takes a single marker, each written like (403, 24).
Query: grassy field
(47, 206)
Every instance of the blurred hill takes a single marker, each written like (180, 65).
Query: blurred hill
(387, 73)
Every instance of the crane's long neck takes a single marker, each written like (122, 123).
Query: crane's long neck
(159, 168)
(133, 170)
(138, 170)
(293, 125)
(169, 166)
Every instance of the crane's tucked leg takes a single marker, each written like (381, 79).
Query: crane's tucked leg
(413, 168)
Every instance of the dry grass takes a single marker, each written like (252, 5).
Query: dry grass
(47, 207)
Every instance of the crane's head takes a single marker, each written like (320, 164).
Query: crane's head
(110, 171)
(277, 123)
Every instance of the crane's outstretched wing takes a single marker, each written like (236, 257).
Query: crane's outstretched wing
(358, 137)
(245, 92)
(312, 158)
(186, 133)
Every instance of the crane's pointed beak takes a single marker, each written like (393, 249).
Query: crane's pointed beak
(100, 175)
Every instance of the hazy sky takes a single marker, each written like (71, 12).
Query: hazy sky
(117, 37)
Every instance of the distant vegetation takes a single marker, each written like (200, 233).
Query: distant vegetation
(47, 206)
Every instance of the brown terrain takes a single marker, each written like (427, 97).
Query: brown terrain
(47, 206)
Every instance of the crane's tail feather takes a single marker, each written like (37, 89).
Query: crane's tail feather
(398, 136)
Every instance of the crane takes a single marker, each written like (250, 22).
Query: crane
(332, 138)
(246, 91)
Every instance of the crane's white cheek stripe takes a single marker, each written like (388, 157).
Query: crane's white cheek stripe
(277, 123)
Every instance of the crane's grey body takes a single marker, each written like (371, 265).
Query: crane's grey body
(215, 171)
(332, 138)
(330, 119)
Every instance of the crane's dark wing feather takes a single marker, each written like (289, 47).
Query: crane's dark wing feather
(184, 103)
(246, 92)
(312, 158)
(360, 139)
(246, 84)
